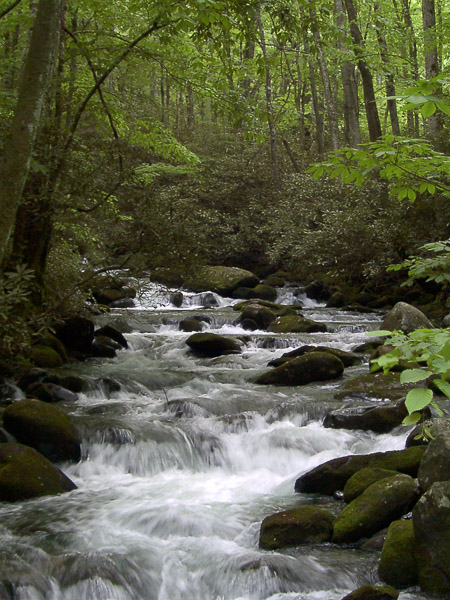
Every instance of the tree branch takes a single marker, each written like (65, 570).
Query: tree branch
(10, 8)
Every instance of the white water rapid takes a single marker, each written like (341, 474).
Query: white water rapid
(180, 466)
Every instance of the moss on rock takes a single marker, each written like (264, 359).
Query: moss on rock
(362, 479)
(373, 592)
(211, 345)
(295, 324)
(222, 280)
(45, 357)
(398, 563)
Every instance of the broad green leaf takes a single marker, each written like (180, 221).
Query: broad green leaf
(428, 109)
(414, 375)
(412, 419)
(380, 333)
(417, 399)
(444, 386)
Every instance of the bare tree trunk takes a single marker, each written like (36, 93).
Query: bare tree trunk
(351, 113)
(269, 104)
(413, 118)
(18, 148)
(431, 54)
(328, 94)
(373, 119)
(390, 86)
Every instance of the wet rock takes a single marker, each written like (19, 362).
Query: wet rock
(256, 316)
(332, 475)
(221, 280)
(302, 525)
(24, 474)
(31, 376)
(125, 303)
(336, 300)
(362, 479)
(379, 505)
(295, 324)
(435, 465)
(45, 428)
(368, 347)
(114, 334)
(431, 520)
(374, 386)
(423, 433)
(263, 291)
(74, 383)
(110, 385)
(373, 592)
(380, 419)
(187, 409)
(101, 347)
(208, 300)
(190, 325)
(276, 279)
(317, 290)
(76, 333)
(45, 357)
(405, 317)
(211, 345)
(50, 392)
(314, 366)
(9, 392)
(177, 299)
(348, 358)
(398, 562)
(114, 294)
(376, 542)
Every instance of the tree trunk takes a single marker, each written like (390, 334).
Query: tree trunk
(18, 148)
(390, 86)
(373, 119)
(431, 54)
(413, 118)
(327, 92)
(351, 113)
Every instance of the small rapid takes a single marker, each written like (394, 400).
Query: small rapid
(182, 458)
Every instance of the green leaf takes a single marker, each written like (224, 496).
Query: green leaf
(380, 333)
(428, 109)
(444, 386)
(414, 375)
(412, 419)
(417, 399)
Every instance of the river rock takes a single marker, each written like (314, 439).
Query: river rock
(45, 357)
(405, 317)
(256, 316)
(431, 520)
(50, 392)
(348, 358)
(24, 474)
(113, 294)
(264, 292)
(398, 562)
(314, 366)
(380, 419)
(177, 299)
(103, 347)
(336, 300)
(44, 427)
(277, 279)
(362, 479)
(424, 432)
(211, 345)
(380, 504)
(76, 333)
(374, 386)
(373, 592)
(114, 334)
(190, 325)
(301, 525)
(331, 476)
(435, 465)
(317, 290)
(295, 324)
(221, 280)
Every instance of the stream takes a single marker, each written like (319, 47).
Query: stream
(181, 464)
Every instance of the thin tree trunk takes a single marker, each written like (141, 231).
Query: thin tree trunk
(431, 54)
(390, 86)
(328, 94)
(269, 104)
(351, 113)
(413, 118)
(18, 148)
(373, 119)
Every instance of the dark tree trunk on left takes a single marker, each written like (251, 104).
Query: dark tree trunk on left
(19, 146)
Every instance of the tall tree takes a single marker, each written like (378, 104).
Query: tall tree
(431, 54)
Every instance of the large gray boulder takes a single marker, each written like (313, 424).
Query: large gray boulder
(431, 520)
(44, 427)
(24, 474)
(221, 280)
(376, 508)
(314, 366)
(405, 317)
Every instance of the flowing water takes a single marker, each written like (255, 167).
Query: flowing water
(180, 466)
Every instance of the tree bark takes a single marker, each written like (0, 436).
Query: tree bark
(373, 119)
(413, 119)
(19, 146)
(431, 54)
(351, 113)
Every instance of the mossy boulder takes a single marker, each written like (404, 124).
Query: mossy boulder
(50, 392)
(431, 521)
(277, 279)
(405, 317)
(190, 325)
(24, 474)
(295, 324)
(221, 280)
(314, 366)
(301, 525)
(211, 345)
(45, 357)
(44, 427)
(374, 386)
(373, 592)
(256, 316)
(423, 433)
(348, 358)
(361, 480)
(332, 475)
(398, 562)
(435, 465)
(380, 419)
(379, 505)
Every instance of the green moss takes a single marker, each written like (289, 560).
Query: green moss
(295, 324)
(398, 564)
(372, 592)
(361, 480)
(45, 357)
